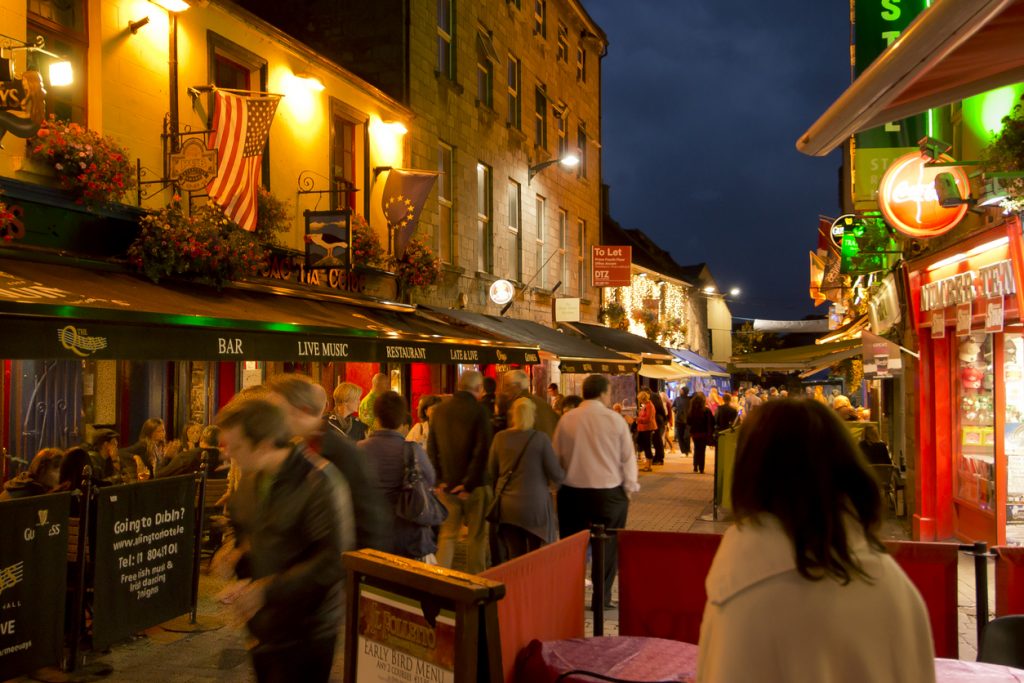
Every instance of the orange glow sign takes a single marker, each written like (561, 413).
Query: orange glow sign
(908, 199)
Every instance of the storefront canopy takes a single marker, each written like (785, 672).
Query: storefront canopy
(60, 311)
(697, 362)
(673, 371)
(952, 50)
(576, 354)
(621, 341)
(800, 358)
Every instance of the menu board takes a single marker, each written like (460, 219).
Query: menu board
(1013, 380)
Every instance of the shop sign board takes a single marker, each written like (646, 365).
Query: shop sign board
(908, 199)
(567, 309)
(993, 280)
(884, 306)
(611, 266)
(328, 240)
(994, 314)
(33, 574)
(194, 166)
(938, 324)
(963, 320)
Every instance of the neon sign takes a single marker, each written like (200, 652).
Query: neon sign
(908, 199)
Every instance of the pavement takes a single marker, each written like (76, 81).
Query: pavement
(672, 498)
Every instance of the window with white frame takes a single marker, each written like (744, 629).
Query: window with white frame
(446, 38)
(563, 248)
(515, 225)
(485, 60)
(540, 117)
(563, 43)
(540, 18)
(63, 25)
(540, 277)
(581, 149)
(445, 203)
(581, 263)
(484, 219)
(581, 64)
(515, 82)
(561, 124)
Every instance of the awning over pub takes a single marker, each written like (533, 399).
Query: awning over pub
(576, 355)
(673, 371)
(700, 363)
(51, 310)
(622, 342)
(952, 50)
(800, 358)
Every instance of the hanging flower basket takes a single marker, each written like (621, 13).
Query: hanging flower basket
(614, 315)
(366, 246)
(417, 267)
(92, 167)
(204, 246)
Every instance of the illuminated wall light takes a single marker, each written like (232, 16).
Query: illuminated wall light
(61, 73)
(964, 255)
(982, 248)
(387, 138)
(171, 5)
(709, 290)
(310, 82)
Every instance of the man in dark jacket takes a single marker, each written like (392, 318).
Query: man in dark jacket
(726, 415)
(290, 515)
(517, 385)
(458, 445)
(681, 406)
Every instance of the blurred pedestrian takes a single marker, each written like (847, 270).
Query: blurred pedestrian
(681, 406)
(702, 429)
(569, 402)
(388, 452)
(490, 400)
(841, 404)
(646, 427)
(458, 444)
(661, 422)
(801, 588)
(727, 414)
(379, 384)
(713, 400)
(289, 520)
(596, 451)
(555, 398)
(517, 385)
(523, 466)
(191, 460)
(42, 476)
(421, 429)
(345, 416)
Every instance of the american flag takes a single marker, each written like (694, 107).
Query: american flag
(241, 126)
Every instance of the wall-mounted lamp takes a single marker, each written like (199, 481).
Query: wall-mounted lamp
(60, 71)
(172, 5)
(310, 82)
(933, 148)
(568, 161)
(134, 26)
(948, 191)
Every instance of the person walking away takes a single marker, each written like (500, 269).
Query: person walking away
(288, 515)
(517, 385)
(457, 445)
(702, 429)
(713, 400)
(379, 384)
(421, 429)
(490, 401)
(595, 449)
(801, 588)
(303, 403)
(681, 406)
(668, 431)
(646, 426)
(523, 465)
(660, 422)
(727, 414)
(388, 451)
(345, 416)
(555, 398)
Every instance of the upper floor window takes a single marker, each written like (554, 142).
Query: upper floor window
(515, 82)
(62, 24)
(518, 4)
(540, 116)
(563, 43)
(232, 66)
(540, 18)
(484, 219)
(561, 113)
(446, 203)
(346, 150)
(581, 64)
(563, 248)
(581, 240)
(515, 222)
(446, 38)
(486, 58)
(541, 207)
(581, 149)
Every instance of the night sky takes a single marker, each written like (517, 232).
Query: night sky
(702, 105)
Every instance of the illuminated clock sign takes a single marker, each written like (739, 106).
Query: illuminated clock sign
(909, 202)
(502, 291)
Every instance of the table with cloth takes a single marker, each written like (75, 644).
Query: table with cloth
(656, 659)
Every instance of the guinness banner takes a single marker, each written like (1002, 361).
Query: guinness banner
(33, 581)
(588, 367)
(144, 556)
(32, 338)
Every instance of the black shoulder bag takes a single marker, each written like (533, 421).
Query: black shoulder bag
(417, 502)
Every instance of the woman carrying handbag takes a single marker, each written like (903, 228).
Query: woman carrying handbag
(524, 467)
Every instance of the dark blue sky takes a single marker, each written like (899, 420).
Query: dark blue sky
(702, 106)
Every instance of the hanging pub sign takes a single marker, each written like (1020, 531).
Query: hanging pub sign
(194, 166)
(611, 266)
(867, 246)
(22, 101)
(328, 239)
(908, 199)
(884, 306)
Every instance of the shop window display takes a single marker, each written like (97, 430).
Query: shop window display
(975, 465)
(1013, 374)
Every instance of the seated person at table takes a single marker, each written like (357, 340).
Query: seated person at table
(801, 588)
(190, 461)
(42, 475)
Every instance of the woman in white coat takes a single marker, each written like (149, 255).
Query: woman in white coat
(801, 588)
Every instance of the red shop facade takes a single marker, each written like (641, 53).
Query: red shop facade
(967, 314)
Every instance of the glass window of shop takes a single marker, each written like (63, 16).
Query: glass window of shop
(975, 423)
(64, 28)
(347, 147)
(1013, 379)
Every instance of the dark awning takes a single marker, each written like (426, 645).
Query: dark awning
(699, 362)
(621, 341)
(59, 311)
(577, 355)
(813, 357)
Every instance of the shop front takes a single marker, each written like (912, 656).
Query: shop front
(971, 401)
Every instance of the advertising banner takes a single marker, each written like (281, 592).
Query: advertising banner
(33, 581)
(144, 553)
(610, 266)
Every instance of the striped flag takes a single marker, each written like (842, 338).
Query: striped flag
(240, 129)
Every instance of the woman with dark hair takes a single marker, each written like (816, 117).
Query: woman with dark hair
(421, 430)
(140, 461)
(801, 588)
(702, 429)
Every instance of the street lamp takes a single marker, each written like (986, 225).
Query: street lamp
(568, 161)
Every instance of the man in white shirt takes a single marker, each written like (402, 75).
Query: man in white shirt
(596, 451)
